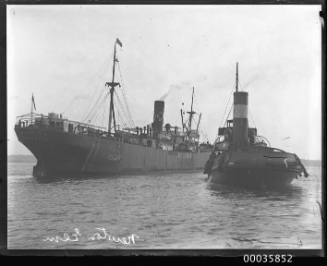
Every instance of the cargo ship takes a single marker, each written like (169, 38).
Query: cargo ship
(241, 157)
(66, 148)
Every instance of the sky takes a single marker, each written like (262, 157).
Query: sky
(63, 55)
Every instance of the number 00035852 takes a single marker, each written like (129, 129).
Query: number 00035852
(267, 258)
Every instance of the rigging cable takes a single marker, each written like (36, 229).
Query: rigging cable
(252, 118)
(94, 105)
(91, 80)
(97, 92)
(126, 103)
(98, 114)
(122, 109)
(230, 110)
(124, 95)
(120, 118)
(121, 112)
(223, 121)
(103, 121)
(93, 108)
(250, 114)
(203, 133)
(120, 106)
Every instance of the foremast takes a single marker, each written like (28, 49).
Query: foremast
(112, 86)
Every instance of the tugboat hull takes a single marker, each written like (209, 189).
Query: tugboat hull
(242, 158)
(252, 178)
(259, 167)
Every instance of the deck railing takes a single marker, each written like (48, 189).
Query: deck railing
(34, 118)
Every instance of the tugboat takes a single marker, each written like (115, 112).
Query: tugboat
(242, 158)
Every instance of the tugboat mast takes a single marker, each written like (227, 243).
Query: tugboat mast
(112, 86)
(236, 85)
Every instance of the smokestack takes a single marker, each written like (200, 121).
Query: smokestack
(159, 108)
(240, 116)
(240, 119)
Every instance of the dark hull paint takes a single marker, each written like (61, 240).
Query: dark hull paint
(64, 154)
(252, 178)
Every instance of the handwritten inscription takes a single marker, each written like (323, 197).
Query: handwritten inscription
(103, 235)
(100, 234)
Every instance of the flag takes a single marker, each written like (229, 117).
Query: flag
(33, 102)
(119, 42)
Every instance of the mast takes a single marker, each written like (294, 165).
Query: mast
(197, 127)
(191, 113)
(112, 86)
(236, 84)
(182, 120)
(32, 108)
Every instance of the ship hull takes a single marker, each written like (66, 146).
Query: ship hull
(254, 167)
(252, 178)
(61, 154)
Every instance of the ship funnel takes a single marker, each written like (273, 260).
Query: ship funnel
(159, 108)
(240, 116)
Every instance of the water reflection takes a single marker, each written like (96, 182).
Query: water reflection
(58, 179)
(73, 178)
(283, 193)
(165, 210)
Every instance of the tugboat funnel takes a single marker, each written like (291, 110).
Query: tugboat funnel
(240, 117)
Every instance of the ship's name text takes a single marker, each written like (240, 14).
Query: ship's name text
(100, 234)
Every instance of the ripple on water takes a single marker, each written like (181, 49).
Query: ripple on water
(166, 211)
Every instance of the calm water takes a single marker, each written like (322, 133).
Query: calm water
(164, 210)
